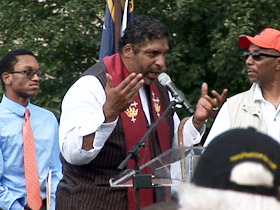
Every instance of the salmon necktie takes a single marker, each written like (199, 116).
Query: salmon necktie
(34, 200)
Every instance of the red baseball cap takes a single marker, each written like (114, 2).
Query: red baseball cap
(268, 38)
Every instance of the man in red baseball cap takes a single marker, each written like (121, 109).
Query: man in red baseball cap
(259, 106)
(268, 38)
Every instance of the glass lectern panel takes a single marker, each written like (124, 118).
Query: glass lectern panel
(171, 168)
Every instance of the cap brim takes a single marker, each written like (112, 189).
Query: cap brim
(245, 41)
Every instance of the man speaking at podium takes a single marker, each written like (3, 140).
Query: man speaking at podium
(110, 108)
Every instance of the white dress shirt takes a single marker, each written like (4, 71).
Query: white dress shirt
(82, 114)
(271, 117)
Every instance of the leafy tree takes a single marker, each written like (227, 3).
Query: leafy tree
(204, 40)
(66, 35)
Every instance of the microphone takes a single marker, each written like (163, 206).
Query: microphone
(165, 80)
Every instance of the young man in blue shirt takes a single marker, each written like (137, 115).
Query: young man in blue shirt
(20, 79)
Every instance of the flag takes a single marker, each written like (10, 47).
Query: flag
(109, 27)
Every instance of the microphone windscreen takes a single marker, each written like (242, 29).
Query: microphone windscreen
(164, 79)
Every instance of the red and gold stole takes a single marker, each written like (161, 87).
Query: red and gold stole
(135, 126)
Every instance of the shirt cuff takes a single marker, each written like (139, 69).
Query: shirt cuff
(103, 133)
(101, 136)
(191, 135)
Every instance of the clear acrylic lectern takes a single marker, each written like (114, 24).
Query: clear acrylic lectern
(171, 168)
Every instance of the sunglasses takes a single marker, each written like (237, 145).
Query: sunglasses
(28, 73)
(257, 55)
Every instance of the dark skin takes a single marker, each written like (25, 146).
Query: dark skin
(118, 99)
(148, 61)
(145, 66)
(266, 72)
(19, 87)
(205, 105)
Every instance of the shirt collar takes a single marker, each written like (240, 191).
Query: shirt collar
(258, 96)
(15, 107)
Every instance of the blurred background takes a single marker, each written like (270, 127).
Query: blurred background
(66, 36)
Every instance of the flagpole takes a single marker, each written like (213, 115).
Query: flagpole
(117, 4)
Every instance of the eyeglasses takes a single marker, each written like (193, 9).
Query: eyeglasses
(28, 73)
(257, 55)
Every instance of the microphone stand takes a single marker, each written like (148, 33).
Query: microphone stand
(135, 155)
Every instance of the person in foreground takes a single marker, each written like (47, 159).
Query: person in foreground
(23, 176)
(259, 106)
(107, 110)
(239, 169)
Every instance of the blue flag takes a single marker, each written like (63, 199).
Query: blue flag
(108, 34)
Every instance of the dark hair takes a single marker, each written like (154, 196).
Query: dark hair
(9, 60)
(141, 30)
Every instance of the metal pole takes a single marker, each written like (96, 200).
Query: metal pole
(117, 23)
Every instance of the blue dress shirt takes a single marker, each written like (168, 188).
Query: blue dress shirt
(45, 128)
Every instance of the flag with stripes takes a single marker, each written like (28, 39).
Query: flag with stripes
(126, 10)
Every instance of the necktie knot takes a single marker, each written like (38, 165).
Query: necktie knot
(27, 113)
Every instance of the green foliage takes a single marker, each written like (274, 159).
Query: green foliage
(204, 40)
(66, 35)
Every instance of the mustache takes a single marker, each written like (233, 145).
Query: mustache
(159, 69)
